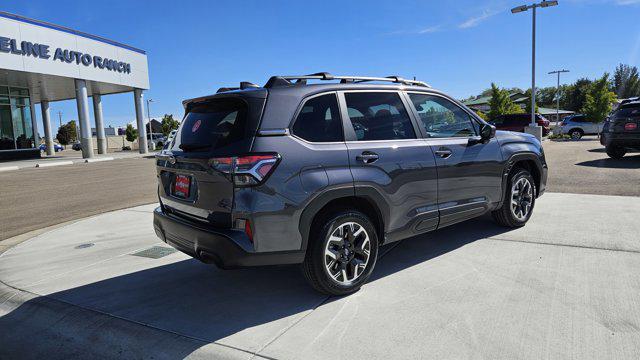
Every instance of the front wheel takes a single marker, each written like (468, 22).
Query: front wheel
(576, 134)
(342, 253)
(520, 197)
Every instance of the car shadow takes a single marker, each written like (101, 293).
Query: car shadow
(598, 150)
(627, 162)
(200, 302)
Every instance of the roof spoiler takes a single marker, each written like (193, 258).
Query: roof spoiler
(276, 81)
(243, 85)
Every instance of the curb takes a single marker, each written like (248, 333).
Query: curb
(8, 168)
(54, 163)
(92, 160)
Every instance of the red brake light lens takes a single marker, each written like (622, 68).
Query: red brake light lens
(630, 126)
(246, 170)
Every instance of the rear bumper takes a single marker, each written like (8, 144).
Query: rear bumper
(226, 248)
(627, 140)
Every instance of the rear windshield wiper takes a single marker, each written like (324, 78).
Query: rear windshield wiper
(194, 146)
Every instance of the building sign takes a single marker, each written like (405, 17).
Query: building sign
(42, 51)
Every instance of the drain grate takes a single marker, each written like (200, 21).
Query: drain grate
(155, 252)
(84, 246)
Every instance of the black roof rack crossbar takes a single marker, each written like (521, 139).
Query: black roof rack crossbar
(631, 99)
(286, 80)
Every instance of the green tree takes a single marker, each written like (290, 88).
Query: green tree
(527, 108)
(482, 115)
(546, 96)
(168, 124)
(501, 103)
(131, 133)
(599, 99)
(67, 133)
(573, 96)
(626, 81)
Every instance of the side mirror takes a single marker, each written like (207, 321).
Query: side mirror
(487, 132)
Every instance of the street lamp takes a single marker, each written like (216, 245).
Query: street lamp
(558, 93)
(522, 8)
(148, 113)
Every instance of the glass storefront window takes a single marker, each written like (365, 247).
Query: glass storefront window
(16, 129)
(6, 129)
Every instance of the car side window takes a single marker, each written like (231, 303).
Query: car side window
(319, 120)
(378, 116)
(441, 117)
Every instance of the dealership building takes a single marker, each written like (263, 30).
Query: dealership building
(41, 63)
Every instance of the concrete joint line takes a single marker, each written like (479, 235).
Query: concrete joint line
(564, 245)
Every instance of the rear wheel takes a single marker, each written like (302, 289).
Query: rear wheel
(520, 197)
(616, 152)
(342, 253)
(576, 134)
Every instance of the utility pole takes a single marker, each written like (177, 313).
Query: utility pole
(534, 126)
(59, 119)
(558, 72)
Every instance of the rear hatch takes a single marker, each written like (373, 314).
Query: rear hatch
(626, 120)
(217, 127)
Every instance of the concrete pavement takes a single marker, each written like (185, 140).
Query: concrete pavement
(564, 286)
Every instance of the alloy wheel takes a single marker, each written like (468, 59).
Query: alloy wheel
(521, 198)
(347, 252)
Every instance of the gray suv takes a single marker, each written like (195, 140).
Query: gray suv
(322, 170)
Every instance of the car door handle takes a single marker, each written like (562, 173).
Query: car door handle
(443, 152)
(367, 157)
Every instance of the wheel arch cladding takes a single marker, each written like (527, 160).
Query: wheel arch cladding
(321, 208)
(528, 162)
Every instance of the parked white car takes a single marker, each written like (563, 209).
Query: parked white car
(578, 125)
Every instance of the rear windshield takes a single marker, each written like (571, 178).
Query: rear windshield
(629, 111)
(212, 125)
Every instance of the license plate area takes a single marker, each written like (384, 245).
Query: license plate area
(181, 186)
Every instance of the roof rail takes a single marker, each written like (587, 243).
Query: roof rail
(276, 81)
(631, 99)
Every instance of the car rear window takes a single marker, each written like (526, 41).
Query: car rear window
(212, 125)
(629, 111)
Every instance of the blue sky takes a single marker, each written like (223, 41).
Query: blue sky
(195, 47)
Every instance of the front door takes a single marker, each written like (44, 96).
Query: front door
(389, 160)
(469, 171)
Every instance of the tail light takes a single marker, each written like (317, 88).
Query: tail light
(247, 170)
(630, 126)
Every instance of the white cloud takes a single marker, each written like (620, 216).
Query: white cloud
(476, 20)
(430, 29)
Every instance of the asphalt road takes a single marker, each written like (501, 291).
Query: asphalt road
(583, 167)
(40, 197)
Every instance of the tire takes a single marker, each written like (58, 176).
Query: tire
(328, 236)
(615, 152)
(517, 215)
(576, 134)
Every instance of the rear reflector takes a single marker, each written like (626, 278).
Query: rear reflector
(630, 126)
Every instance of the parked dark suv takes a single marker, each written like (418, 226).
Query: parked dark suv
(621, 130)
(324, 174)
(517, 122)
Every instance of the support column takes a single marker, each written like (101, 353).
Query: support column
(34, 125)
(97, 113)
(142, 129)
(46, 122)
(82, 100)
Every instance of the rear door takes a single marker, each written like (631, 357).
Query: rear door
(388, 159)
(469, 172)
(211, 132)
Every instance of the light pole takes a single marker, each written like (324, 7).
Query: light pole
(148, 114)
(537, 130)
(558, 93)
